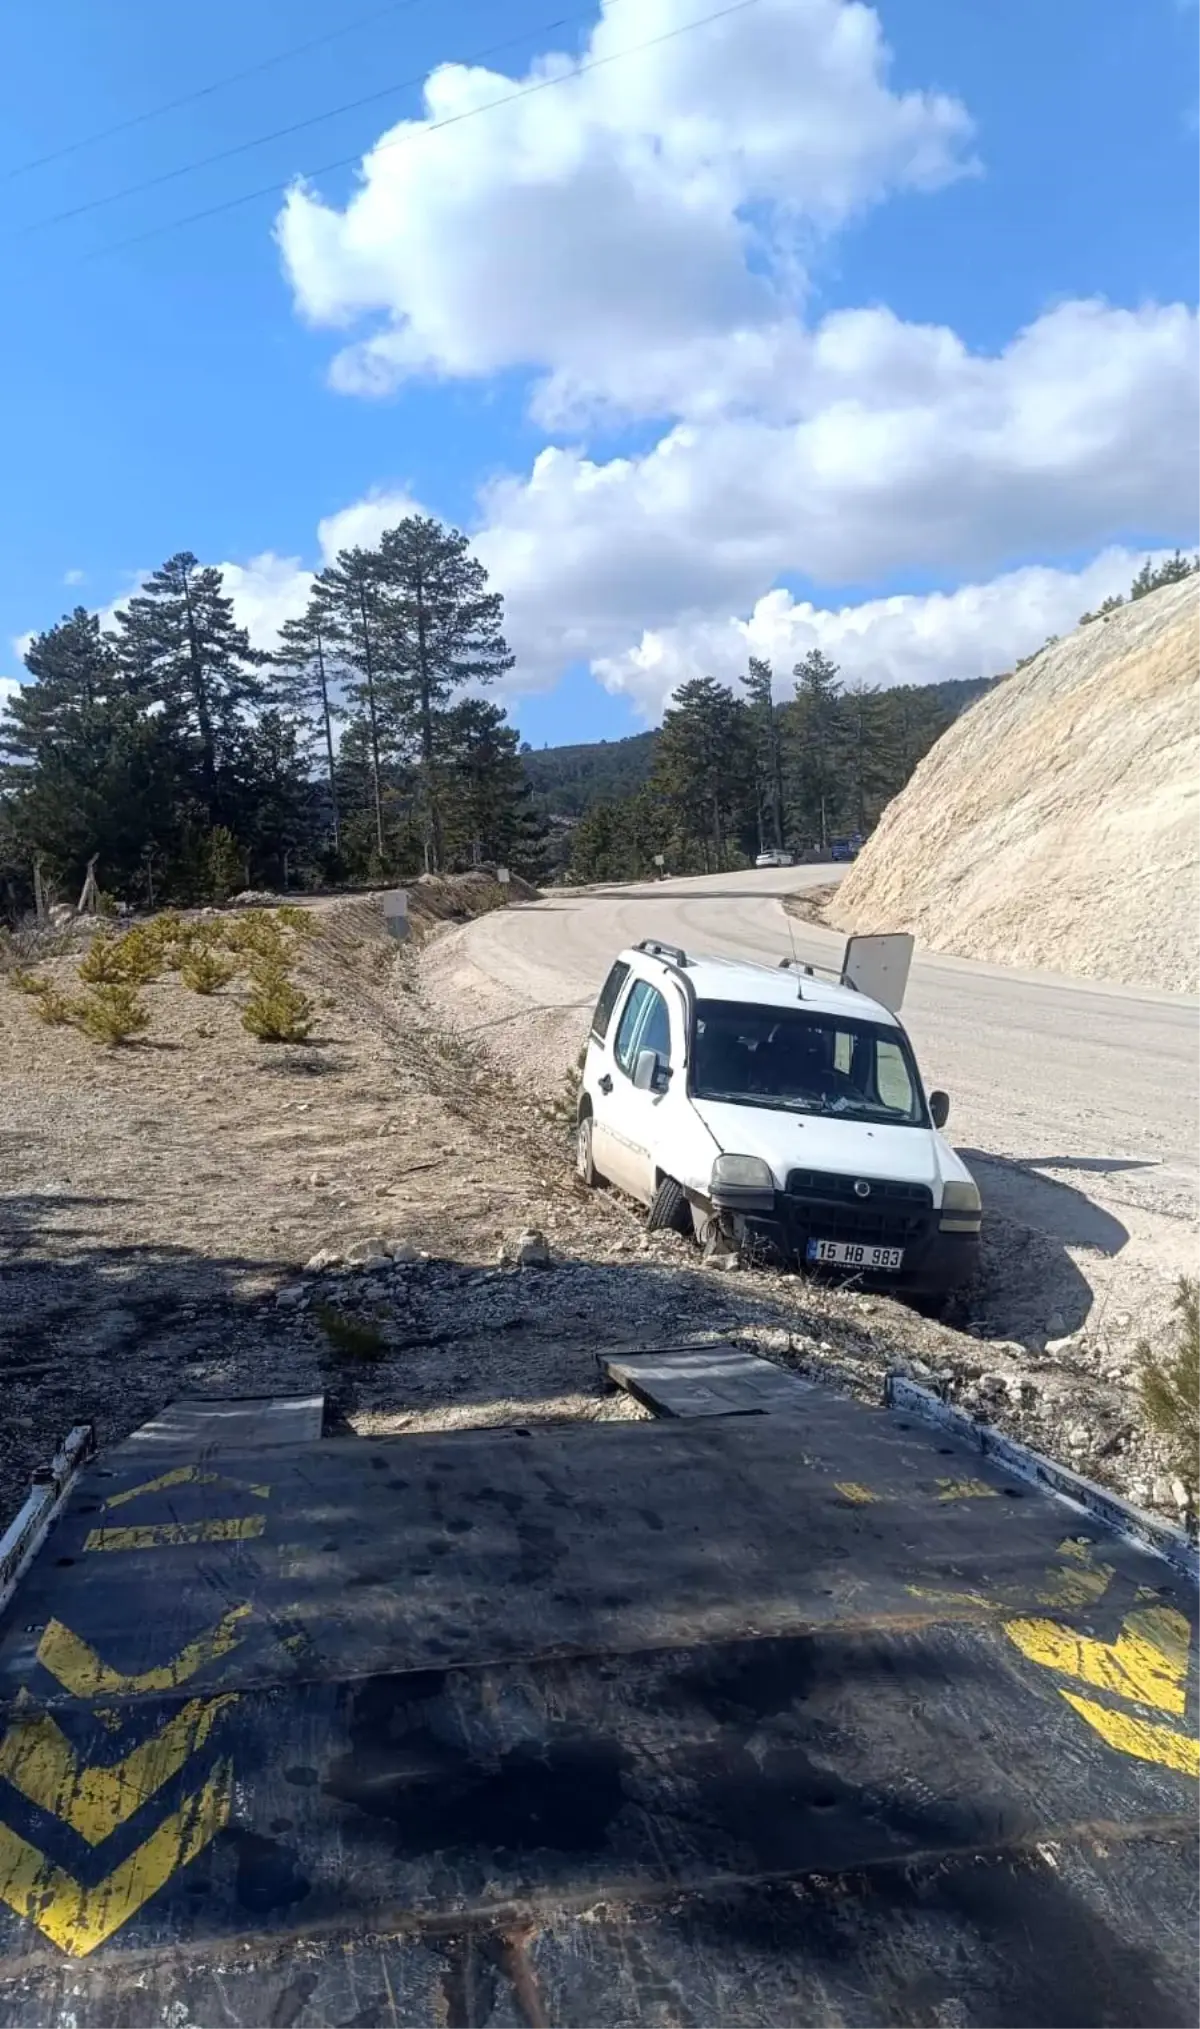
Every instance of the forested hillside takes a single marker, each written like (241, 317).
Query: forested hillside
(567, 781)
(730, 773)
(187, 764)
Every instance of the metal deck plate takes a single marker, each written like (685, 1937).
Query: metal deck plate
(765, 1719)
(717, 1380)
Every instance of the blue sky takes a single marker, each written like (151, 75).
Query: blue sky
(175, 392)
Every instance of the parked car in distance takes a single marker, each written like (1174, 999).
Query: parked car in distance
(774, 859)
(771, 1107)
(845, 848)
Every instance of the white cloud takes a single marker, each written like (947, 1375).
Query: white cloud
(265, 592)
(642, 207)
(976, 630)
(270, 589)
(911, 454)
(74, 577)
(636, 239)
(9, 686)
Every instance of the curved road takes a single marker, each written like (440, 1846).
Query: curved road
(1092, 1086)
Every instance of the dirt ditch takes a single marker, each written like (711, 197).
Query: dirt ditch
(387, 1213)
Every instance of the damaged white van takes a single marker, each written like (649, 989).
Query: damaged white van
(775, 1108)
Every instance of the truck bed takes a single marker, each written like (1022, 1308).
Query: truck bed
(812, 1715)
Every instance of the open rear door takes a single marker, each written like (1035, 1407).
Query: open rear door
(879, 967)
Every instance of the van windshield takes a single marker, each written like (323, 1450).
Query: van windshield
(805, 1061)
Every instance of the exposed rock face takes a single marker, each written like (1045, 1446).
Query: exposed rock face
(1057, 823)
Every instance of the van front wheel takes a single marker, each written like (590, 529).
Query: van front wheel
(669, 1209)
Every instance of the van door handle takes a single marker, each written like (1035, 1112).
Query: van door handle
(605, 1084)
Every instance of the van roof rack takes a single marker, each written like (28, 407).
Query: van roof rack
(811, 971)
(671, 952)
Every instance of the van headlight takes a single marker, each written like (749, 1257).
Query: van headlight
(744, 1180)
(962, 1207)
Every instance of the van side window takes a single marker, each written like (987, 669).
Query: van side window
(644, 1025)
(609, 995)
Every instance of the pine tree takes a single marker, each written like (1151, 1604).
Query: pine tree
(348, 607)
(179, 647)
(704, 771)
(84, 767)
(303, 685)
(487, 802)
(814, 724)
(758, 682)
(865, 747)
(1152, 577)
(443, 632)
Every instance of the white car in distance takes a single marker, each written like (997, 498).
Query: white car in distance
(772, 858)
(768, 1106)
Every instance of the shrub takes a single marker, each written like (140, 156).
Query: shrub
(140, 957)
(255, 936)
(1171, 1387)
(102, 963)
(111, 1014)
(53, 1007)
(277, 1011)
(353, 1338)
(202, 971)
(132, 960)
(28, 982)
(294, 918)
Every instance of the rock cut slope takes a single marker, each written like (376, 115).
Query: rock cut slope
(1056, 823)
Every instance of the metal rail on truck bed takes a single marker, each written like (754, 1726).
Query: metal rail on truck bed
(814, 1715)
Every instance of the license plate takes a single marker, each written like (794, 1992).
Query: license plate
(847, 1254)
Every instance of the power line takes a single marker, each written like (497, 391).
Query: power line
(281, 133)
(205, 91)
(431, 127)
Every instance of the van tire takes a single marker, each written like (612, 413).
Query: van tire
(585, 1167)
(669, 1209)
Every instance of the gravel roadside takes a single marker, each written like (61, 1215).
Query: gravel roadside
(202, 1213)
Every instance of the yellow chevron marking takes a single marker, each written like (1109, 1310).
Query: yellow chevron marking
(1081, 1582)
(81, 1672)
(169, 1535)
(77, 1919)
(1077, 1582)
(965, 1490)
(850, 1490)
(1139, 1737)
(1147, 1663)
(180, 1476)
(37, 1758)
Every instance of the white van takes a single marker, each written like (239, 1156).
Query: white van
(774, 1107)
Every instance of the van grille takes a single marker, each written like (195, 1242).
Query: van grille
(832, 1185)
(822, 1205)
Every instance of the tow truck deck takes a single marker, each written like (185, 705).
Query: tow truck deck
(775, 1710)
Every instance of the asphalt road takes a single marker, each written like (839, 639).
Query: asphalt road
(1093, 1087)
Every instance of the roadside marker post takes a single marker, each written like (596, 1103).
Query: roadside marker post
(395, 913)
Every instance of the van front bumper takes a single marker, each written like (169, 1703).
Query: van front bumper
(783, 1223)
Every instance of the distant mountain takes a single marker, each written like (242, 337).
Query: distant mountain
(568, 781)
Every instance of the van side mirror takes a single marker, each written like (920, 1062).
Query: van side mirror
(650, 1073)
(939, 1108)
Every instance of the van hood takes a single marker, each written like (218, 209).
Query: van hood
(860, 1148)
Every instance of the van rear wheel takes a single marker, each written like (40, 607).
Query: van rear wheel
(669, 1209)
(585, 1167)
